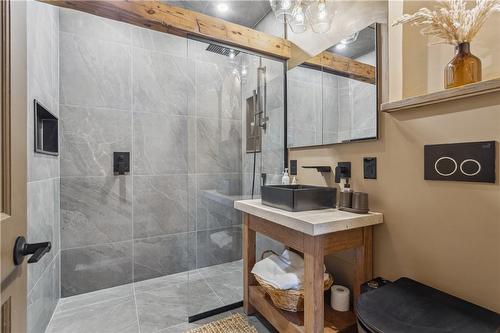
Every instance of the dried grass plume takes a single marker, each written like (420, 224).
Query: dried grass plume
(452, 21)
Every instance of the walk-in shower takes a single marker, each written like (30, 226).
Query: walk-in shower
(203, 124)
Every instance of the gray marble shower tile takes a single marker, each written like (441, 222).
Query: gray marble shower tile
(112, 316)
(95, 267)
(215, 198)
(273, 142)
(218, 90)
(218, 246)
(160, 144)
(162, 308)
(218, 146)
(42, 26)
(160, 205)
(364, 110)
(275, 92)
(102, 70)
(162, 83)
(82, 300)
(210, 272)
(298, 137)
(345, 109)
(305, 96)
(192, 204)
(56, 232)
(228, 286)
(42, 300)
(167, 281)
(89, 136)
(95, 210)
(41, 166)
(159, 41)
(87, 25)
(164, 255)
(330, 108)
(41, 224)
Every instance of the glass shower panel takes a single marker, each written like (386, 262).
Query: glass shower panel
(231, 151)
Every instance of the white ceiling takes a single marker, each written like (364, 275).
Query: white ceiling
(243, 12)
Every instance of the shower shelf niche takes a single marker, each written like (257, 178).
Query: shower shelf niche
(46, 131)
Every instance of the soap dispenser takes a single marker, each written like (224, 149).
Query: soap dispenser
(285, 180)
(345, 198)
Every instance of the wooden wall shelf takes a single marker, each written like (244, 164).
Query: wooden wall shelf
(474, 89)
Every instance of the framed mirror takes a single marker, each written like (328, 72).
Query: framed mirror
(333, 97)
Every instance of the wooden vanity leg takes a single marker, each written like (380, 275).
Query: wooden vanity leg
(364, 262)
(248, 263)
(313, 271)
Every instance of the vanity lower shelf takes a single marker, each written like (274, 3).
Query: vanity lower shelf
(293, 322)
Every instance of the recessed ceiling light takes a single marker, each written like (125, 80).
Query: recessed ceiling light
(222, 7)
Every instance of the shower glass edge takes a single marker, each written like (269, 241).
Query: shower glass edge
(234, 148)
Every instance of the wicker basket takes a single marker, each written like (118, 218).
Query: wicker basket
(288, 300)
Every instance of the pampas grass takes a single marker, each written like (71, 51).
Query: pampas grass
(455, 21)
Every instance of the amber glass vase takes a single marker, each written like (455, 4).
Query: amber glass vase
(464, 68)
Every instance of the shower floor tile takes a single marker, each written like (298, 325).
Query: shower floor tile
(158, 305)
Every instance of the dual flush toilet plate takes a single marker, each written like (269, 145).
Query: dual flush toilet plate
(470, 161)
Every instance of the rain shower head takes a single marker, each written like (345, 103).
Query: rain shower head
(226, 51)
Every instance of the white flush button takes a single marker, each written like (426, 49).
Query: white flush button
(470, 167)
(445, 166)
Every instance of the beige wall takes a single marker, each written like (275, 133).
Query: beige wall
(444, 234)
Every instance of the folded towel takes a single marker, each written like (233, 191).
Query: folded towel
(282, 272)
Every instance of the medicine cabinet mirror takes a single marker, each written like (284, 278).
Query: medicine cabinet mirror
(333, 97)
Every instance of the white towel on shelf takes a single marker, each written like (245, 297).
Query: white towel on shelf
(282, 272)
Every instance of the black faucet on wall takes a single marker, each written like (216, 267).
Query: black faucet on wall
(121, 163)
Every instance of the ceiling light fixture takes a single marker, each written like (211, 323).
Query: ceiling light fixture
(299, 14)
(350, 39)
(222, 7)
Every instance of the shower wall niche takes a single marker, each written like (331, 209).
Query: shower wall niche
(178, 109)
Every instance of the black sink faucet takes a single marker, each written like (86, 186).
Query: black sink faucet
(342, 171)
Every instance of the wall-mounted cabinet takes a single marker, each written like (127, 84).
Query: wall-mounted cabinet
(332, 97)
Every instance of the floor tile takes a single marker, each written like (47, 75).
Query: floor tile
(114, 316)
(227, 286)
(168, 280)
(172, 305)
(88, 299)
(160, 305)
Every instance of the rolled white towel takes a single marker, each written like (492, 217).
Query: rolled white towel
(282, 272)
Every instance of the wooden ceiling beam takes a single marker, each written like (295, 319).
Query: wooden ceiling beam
(344, 65)
(162, 17)
(179, 21)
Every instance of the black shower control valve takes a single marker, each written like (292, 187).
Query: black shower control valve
(121, 163)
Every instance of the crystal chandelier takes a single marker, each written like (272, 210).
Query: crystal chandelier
(301, 14)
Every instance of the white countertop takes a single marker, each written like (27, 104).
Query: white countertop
(312, 222)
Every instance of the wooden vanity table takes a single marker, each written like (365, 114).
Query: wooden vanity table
(316, 234)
